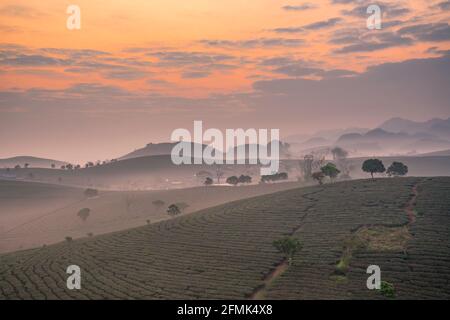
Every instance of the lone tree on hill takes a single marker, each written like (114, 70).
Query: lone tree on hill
(318, 176)
(397, 169)
(84, 213)
(330, 171)
(208, 181)
(173, 210)
(288, 246)
(373, 166)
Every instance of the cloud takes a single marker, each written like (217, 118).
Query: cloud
(19, 11)
(183, 58)
(388, 10)
(428, 32)
(254, 43)
(444, 6)
(323, 24)
(357, 41)
(33, 60)
(195, 74)
(295, 70)
(300, 7)
(310, 27)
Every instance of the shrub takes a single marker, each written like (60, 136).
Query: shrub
(387, 289)
(288, 246)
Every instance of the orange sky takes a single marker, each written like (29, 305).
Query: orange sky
(140, 62)
(113, 26)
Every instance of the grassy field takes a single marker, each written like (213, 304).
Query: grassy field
(402, 225)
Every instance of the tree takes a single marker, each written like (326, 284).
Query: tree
(26, 165)
(387, 289)
(208, 181)
(69, 166)
(318, 176)
(330, 170)
(233, 180)
(244, 179)
(373, 166)
(173, 210)
(17, 166)
(84, 213)
(275, 177)
(288, 246)
(53, 166)
(397, 169)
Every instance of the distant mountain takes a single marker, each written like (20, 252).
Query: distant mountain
(380, 141)
(329, 135)
(437, 127)
(31, 161)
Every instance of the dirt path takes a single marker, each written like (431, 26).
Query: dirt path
(260, 292)
(411, 204)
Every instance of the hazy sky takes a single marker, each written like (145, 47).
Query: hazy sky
(138, 69)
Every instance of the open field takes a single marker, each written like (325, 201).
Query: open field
(227, 252)
(33, 214)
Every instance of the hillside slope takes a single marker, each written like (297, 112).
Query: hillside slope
(227, 252)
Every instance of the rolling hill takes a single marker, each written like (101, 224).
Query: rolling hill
(32, 161)
(226, 252)
(33, 214)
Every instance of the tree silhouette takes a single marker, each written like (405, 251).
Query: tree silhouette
(173, 210)
(233, 180)
(373, 166)
(397, 169)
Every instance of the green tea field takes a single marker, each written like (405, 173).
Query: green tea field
(400, 224)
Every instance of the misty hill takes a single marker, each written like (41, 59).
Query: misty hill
(437, 127)
(32, 161)
(157, 149)
(227, 252)
(381, 142)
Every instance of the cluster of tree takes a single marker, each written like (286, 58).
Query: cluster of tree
(274, 177)
(177, 208)
(396, 169)
(329, 170)
(242, 179)
(70, 166)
